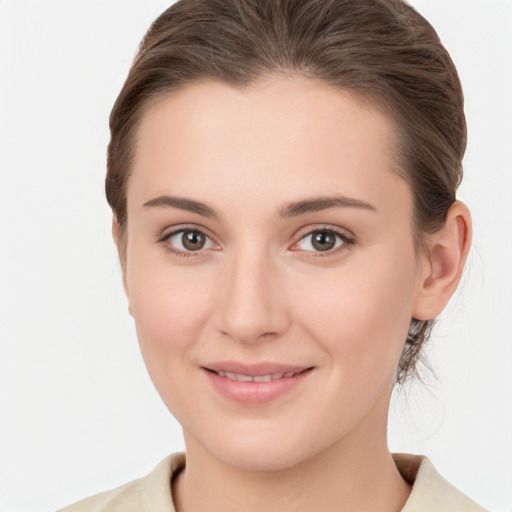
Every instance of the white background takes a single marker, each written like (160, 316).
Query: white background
(78, 411)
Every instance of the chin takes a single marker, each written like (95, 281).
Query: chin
(260, 459)
(260, 451)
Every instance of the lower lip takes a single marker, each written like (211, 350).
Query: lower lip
(255, 393)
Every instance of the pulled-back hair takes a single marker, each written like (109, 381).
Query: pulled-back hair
(382, 50)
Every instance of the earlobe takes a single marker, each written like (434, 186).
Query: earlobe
(443, 264)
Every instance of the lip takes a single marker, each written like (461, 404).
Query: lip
(255, 370)
(251, 392)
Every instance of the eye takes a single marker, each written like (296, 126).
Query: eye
(186, 241)
(323, 241)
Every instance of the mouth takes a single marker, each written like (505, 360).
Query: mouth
(255, 384)
(242, 377)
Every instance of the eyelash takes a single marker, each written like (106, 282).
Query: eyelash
(347, 241)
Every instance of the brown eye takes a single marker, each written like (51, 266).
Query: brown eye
(193, 240)
(323, 240)
(188, 240)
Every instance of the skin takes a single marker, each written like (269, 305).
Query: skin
(259, 290)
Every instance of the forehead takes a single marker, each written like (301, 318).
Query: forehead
(284, 135)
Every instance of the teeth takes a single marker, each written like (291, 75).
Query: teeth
(263, 378)
(259, 378)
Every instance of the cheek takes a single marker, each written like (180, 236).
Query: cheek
(361, 315)
(170, 308)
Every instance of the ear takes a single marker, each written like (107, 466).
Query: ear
(442, 266)
(122, 257)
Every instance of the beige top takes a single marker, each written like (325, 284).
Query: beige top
(430, 492)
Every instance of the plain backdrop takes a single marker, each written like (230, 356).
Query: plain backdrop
(78, 411)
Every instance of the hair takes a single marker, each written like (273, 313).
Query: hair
(383, 51)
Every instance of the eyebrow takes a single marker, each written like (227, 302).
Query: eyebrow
(316, 204)
(294, 209)
(183, 204)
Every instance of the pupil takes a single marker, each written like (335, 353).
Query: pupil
(323, 240)
(193, 240)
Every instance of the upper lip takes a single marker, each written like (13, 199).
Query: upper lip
(254, 370)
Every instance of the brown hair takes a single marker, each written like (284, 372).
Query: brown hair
(382, 50)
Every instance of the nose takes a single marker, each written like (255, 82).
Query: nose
(251, 305)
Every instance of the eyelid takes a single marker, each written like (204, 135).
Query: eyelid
(165, 236)
(167, 232)
(347, 238)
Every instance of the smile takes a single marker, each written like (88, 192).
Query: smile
(251, 385)
(257, 378)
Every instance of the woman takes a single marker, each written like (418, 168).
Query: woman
(282, 176)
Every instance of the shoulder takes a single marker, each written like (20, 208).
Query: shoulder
(430, 490)
(152, 492)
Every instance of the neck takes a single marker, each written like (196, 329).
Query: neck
(357, 474)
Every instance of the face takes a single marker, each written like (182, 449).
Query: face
(270, 267)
